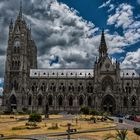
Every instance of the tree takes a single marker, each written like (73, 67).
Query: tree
(94, 112)
(35, 118)
(137, 132)
(120, 135)
(84, 110)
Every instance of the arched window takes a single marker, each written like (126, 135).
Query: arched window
(33, 88)
(125, 102)
(73, 88)
(40, 100)
(63, 89)
(107, 82)
(60, 101)
(81, 101)
(89, 101)
(91, 89)
(23, 99)
(70, 101)
(133, 101)
(15, 84)
(50, 100)
(43, 87)
(87, 89)
(13, 100)
(78, 88)
(30, 100)
(54, 88)
(18, 64)
(129, 89)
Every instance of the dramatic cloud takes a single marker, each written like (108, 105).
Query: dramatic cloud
(57, 30)
(62, 37)
(124, 18)
(132, 60)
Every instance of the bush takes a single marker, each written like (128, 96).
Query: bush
(137, 131)
(35, 118)
(31, 124)
(93, 119)
(7, 112)
(94, 112)
(24, 109)
(18, 128)
(84, 110)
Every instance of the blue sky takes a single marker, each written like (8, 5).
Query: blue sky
(94, 11)
(67, 32)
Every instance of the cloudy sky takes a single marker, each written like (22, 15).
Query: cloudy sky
(67, 32)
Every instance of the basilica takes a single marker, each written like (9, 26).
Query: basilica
(28, 88)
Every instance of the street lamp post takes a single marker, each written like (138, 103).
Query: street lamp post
(69, 125)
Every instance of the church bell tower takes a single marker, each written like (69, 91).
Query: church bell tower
(21, 57)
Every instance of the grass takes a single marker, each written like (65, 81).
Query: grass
(47, 126)
(6, 128)
(100, 135)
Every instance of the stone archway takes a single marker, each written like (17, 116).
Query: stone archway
(109, 104)
(13, 102)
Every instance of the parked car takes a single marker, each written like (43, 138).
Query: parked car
(120, 115)
(137, 118)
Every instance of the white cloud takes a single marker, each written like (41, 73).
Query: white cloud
(122, 17)
(67, 36)
(59, 32)
(132, 60)
(111, 7)
(138, 1)
(105, 4)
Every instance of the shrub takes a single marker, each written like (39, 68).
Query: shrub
(24, 109)
(84, 110)
(137, 131)
(35, 118)
(7, 112)
(31, 124)
(94, 112)
(18, 128)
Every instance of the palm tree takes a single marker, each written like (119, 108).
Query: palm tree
(120, 135)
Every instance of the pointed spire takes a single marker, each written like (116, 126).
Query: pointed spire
(103, 42)
(11, 23)
(11, 26)
(103, 46)
(20, 10)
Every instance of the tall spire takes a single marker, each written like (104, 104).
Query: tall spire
(11, 26)
(103, 46)
(20, 10)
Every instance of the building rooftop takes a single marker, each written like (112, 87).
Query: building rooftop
(69, 73)
(127, 73)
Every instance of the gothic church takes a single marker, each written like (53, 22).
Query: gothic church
(27, 88)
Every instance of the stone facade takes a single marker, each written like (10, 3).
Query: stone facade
(27, 88)
(0, 100)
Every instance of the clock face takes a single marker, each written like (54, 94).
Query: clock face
(17, 43)
(107, 65)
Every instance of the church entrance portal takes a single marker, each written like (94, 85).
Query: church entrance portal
(13, 102)
(108, 104)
